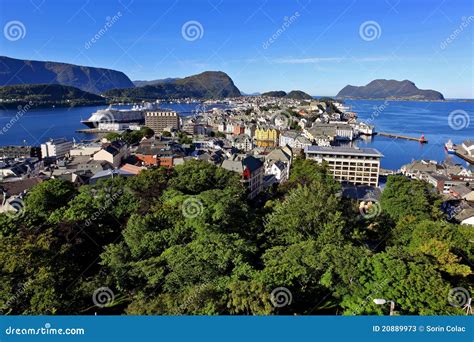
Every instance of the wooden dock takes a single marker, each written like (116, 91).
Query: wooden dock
(461, 153)
(399, 136)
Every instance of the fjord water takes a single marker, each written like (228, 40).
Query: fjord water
(412, 118)
(402, 117)
(39, 125)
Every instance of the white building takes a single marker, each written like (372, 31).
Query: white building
(57, 148)
(113, 153)
(352, 165)
(280, 170)
(85, 150)
(294, 140)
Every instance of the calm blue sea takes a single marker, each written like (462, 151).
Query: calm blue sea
(403, 117)
(438, 121)
(39, 125)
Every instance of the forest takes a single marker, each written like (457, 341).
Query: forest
(187, 241)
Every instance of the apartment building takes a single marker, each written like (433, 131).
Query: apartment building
(352, 165)
(162, 120)
(57, 148)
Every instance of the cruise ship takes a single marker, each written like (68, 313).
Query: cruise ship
(112, 115)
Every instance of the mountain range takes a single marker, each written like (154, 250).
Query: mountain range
(209, 84)
(116, 86)
(93, 80)
(389, 89)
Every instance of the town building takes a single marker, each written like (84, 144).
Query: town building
(294, 139)
(243, 142)
(56, 148)
(251, 170)
(85, 150)
(162, 120)
(14, 152)
(113, 153)
(12, 169)
(352, 165)
(153, 152)
(12, 193)
(266, 137)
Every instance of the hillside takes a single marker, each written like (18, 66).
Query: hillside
(44, 94)
(294, 94)
(389, 89)
(209, 84)
(275, 93)
(298, 95)
(94, 80)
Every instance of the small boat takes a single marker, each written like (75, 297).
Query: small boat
(449, 147)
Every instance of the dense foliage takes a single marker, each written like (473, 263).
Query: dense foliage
(187, 241)
(130, 137)
(47, 94)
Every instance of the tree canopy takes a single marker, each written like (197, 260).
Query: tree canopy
(188, 241)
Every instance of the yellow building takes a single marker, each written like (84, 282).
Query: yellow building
(266, 137)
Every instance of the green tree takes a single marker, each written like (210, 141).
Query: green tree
(404, 197)
(48, 196)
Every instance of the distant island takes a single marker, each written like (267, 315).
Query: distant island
(206, 85)
(45, 95)
(389, 89)
(82, 82)
(153, 82)
(93, 80)
(294, 94)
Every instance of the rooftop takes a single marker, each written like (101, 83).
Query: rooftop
(372, 152)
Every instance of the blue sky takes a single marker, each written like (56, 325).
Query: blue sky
(322, 48)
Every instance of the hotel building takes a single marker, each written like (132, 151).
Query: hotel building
(352, 165)
(161, 120)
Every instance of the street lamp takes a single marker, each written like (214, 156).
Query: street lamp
(381, 301)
